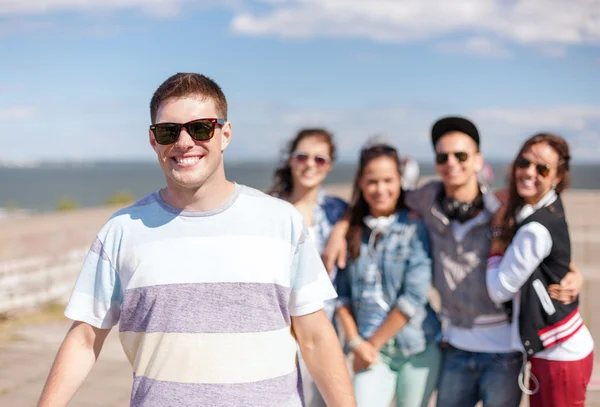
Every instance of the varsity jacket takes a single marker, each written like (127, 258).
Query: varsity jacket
(543, 321)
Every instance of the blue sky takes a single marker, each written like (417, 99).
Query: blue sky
(76, 76)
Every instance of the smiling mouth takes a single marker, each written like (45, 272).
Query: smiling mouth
(186, 161)
(527, 183)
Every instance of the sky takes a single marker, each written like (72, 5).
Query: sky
(76, 76)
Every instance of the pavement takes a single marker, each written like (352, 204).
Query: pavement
(26, 357)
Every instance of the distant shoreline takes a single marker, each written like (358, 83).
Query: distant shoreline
(65, 187)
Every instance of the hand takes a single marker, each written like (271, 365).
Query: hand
(498, 246)
(569, 287)
(498, 218)
(502, 195)
(364, 356)
(335, 251)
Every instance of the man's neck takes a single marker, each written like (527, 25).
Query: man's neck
(212, 194)
(304, 196)
(464, 193)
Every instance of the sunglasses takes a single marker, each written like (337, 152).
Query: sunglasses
(302, 158)
(199, 130)
(442, 158)
(542, 169)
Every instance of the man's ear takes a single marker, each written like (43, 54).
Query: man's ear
(153, 142)
(477, 162)
(225, 135)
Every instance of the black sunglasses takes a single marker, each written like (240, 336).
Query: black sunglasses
(199, 130)
(442, 158)
(542, 169)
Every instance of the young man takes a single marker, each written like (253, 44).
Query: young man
(211, 282)
(479, 362)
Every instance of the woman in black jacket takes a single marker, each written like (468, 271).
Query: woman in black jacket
(551, 334)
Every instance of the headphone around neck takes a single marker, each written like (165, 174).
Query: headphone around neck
(461, 211)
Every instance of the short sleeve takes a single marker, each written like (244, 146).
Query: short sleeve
(97, 295)
(311, 285)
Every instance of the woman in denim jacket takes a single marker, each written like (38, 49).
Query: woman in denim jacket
(383, 308)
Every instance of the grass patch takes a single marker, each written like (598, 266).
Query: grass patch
(51, 312)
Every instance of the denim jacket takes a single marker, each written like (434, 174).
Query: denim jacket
(403, 262)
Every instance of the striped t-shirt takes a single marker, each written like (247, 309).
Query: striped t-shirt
(204, 298)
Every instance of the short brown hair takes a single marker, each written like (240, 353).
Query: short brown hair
(189, 84)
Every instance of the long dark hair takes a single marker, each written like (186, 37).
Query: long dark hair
(282, 179)
(359, 207)
(561, 147)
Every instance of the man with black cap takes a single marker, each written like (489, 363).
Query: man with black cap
(479, 362)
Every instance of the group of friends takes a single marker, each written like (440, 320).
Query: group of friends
(229, 296)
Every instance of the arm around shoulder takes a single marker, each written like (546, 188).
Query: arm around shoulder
(418, 274)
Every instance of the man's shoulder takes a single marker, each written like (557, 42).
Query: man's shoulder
(424, 196)
(261, 203)
(334, 207)
(143, 209)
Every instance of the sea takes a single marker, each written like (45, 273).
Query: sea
(40, 187)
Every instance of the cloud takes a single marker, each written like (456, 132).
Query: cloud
(504, 129)
(540, 23)
(554, 51)
(479, 46)
(551, 25)
(16, 112)
(16, 7)
(575, 118)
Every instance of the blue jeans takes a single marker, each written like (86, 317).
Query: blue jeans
(468, 377)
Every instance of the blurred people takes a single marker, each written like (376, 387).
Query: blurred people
(390, 327)
(410, 172)
(550, 334)
(213, 284)
(486, 174)
(479, 359)
(308, 160)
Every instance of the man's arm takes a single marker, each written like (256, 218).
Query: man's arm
(74, 361)
(336, 250)
(324, 358)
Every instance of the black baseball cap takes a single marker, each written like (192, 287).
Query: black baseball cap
(454, 123)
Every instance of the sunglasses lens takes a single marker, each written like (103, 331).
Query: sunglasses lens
(320, 161)
(441, 158)
(542, 170)
(166, 133)
(200, 130)
(461, 156)
(301, 157)
(522, 162)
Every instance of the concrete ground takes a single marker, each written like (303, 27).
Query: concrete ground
(28, 352)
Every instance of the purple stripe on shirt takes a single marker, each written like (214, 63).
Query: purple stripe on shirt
(206, 308)
(279, 392)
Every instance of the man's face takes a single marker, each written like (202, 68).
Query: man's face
(457, 159)
(187, 163)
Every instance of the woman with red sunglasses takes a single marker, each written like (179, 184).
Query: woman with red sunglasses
(308, 160)
(531, 250)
